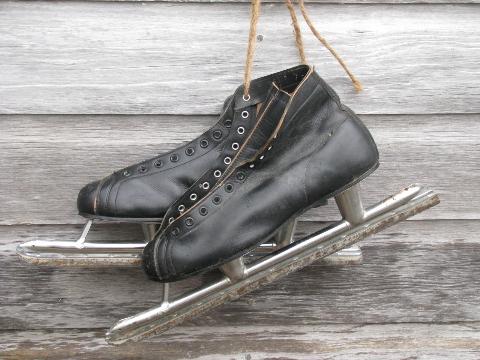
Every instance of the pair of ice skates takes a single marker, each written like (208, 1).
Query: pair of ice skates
(287, 146)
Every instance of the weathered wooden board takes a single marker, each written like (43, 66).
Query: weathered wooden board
(47, 159)
(369, 342)
(316, 1)
(418, 271)
(164, 58)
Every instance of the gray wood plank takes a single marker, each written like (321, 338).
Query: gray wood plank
(47, 159)
(369, 342)
(311, 1)
(164, 58)
(418, 271)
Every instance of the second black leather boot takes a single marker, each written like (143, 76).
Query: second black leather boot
(318, 149)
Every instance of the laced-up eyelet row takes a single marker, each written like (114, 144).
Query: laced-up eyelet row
(189, 151)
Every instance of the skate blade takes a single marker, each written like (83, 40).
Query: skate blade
(69, 253)
(83, 253)
(240, 279)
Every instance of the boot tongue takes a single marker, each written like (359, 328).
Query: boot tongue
(268, 117)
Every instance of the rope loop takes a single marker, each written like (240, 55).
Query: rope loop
(255, 14)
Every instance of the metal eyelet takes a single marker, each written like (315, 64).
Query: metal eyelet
(245, 114)
(206, 185)
(170, 220)
(241, 130)
(228, 123)
(189, 151)
(227, 160)
(174, 157)
(126, 173)
(217, 173)
(246, 98)
(193, 197)
(189, 221)
(175, 231)
(235, 146)
(181, 208)
(203, 211)
(228, 188)
(240, 176)
(217, 134)
(158, 163)
(217, 199)
(269, 148)
(142, 169)
(252, 166)
(203, 143)
(261, 157)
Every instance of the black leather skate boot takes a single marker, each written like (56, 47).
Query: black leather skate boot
(319, 149)
(143, 192)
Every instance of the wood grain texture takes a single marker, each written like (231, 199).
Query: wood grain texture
(364, 342)
(417, 271)
(47, 159)
(309, 1)
(167, 58)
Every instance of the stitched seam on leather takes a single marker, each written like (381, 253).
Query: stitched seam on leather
(155, 256)
(97, 192)
(168, 253)
(107, 197)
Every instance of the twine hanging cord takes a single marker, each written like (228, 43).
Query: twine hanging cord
(252, 39)
(254, 15)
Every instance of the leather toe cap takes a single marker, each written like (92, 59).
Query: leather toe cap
(86, 198)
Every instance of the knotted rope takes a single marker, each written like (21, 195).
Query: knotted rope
(254, 15)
